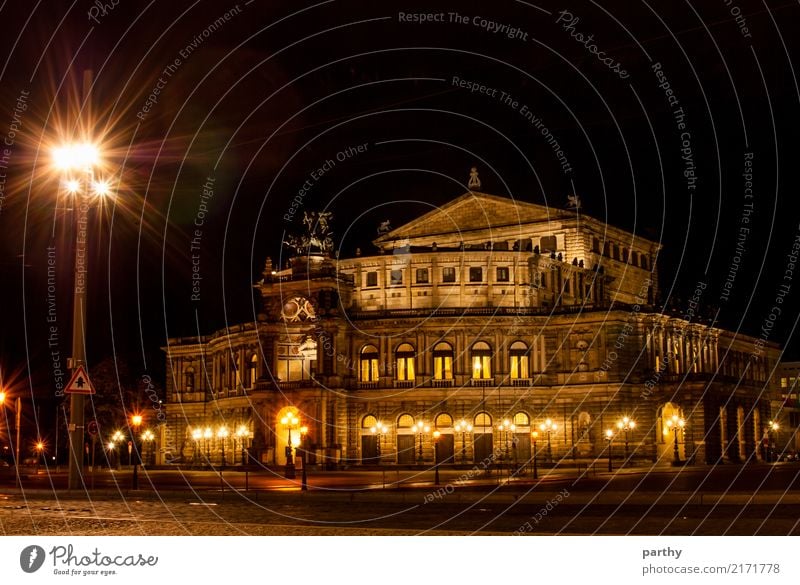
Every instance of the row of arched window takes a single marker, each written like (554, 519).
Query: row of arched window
(444, 420)
(480, 359)
(228, 373)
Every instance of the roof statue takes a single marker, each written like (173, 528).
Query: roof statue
(474, 181)
(318, 237)
(573, 202)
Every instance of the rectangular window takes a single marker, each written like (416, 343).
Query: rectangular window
(369, 369)
(794, 419)
(448, 274)
(475, 274)
(519, 366)
(547, 244)
(405, 369)
(422, 276)
(372, 279)
(502, 274)
(397, 277)
(443, 367)
(595, 245)
(624, 254)
(481, 366)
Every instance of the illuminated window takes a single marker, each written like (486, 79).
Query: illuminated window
(443, 421)
(369, 364)
(521, 419)
(483, 419)
(252, 370)
(518, 353)
(481, 361)
(443, 361)
(405, 421)
(368, 421)
(405, 362)
(296, 361)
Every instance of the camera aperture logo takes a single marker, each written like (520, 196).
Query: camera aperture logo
(66, 561)
(31, 558)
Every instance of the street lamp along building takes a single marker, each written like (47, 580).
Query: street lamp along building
(483, 310)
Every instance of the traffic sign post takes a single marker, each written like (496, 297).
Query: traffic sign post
(80, 383)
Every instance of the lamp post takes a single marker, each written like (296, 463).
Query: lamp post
(675, 424)
(197, 434)
(534, 436)
(136, 422)
(378, 431)
(609, 438)
(436, 435)
(772, 431)
(463, 427)
(626, 425)
(77, 163)
(549, 427)
(116, 439)
(147, 439)
(222, 436)
(241, 433)
(39, 452)
(303, 434)
(207, 434)
(420, 429)
(290, 421)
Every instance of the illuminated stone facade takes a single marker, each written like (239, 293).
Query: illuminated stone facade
(485, 310)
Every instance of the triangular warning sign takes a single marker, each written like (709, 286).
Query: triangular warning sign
(80, 383)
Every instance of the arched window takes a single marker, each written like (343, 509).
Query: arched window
(443, 361)
(481, 361)
(252, 370)
(188, 379)
(369, 364)
(405, 421)
(518, 353)
(482, 420)
(443, 421)
(368, 421)
(521, 419)
(405, 362)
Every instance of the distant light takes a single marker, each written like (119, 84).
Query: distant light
(101, 188)
(76, 156)
(72, 186)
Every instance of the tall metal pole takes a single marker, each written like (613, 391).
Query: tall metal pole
(77, 401)
(17, 423)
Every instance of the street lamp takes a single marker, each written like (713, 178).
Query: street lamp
(534, 436)
(222, 435)
(772, 430)
(207, 434)
(420, 429)
(676, 424)
(626, 425)
(197, 434)
(147, 439)
(39, 451)
(77, 163)
(549, 427)
(117, 438)
(463, 427)
(436, 435)
(609, 438)
(378, 431)
(290, 421)
(136, 421)
(242, 432)
(303, 433)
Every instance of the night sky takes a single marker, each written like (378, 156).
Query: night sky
(220, 112)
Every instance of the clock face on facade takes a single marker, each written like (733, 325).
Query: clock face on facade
(297, 309)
